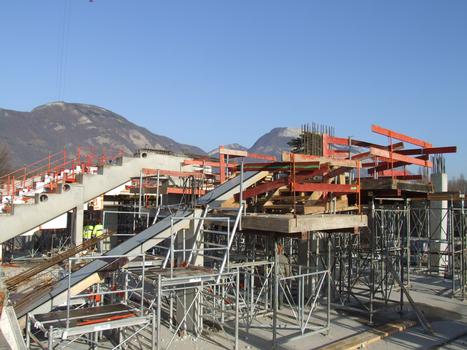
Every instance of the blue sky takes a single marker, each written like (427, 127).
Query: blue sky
(217, 72)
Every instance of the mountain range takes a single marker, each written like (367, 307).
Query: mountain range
(48, 128)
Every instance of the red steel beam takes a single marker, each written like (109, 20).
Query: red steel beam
(401, 137)
(263, 188)
(395, 146)
(392, 156)
(388, 165)
(338, 140)
(284, 181)
(345, 142)
(261, 156)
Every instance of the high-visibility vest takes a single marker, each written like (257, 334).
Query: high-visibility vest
(98, 230)
(87, 231)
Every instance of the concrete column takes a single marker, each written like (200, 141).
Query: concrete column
(77, 229)
(439, 224)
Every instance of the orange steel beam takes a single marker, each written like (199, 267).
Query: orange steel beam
(261, 156)
(392, 156)
(389, 165)
(391, 172)
(401, 137)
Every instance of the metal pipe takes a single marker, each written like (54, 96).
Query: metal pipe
(237, 302)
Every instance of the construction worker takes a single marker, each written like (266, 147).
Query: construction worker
(98, 230)
(87, 232)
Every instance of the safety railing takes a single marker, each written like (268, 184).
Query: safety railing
(59, 167)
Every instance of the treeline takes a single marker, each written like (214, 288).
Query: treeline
(458, 184)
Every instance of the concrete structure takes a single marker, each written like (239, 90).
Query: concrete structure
(73, 196)
(439, 224)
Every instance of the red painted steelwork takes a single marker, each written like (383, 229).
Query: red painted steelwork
(398, 136)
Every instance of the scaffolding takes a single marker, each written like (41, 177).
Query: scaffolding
(102, 309)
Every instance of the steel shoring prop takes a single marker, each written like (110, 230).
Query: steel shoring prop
(230, 240)
(196, 238)
(363, 263)
(253, 309)
(204, 289)
(314, 300)
(301, 324)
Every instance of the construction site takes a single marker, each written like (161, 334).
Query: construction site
(340, 244)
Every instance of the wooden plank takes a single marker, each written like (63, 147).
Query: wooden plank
(302, 223)
(232, 152)
(368, 337)
(446, 196)
(387, 183)
(324, 187)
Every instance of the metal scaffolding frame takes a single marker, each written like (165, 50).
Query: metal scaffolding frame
(443, 256)
(104, 308)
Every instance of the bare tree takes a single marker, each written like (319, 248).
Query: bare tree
(458, 184)
(5, 165)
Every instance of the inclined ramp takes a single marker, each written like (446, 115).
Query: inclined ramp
(138, 244)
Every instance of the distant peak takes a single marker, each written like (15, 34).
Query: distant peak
(284, 132)
(63, 105)
(50, 104)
